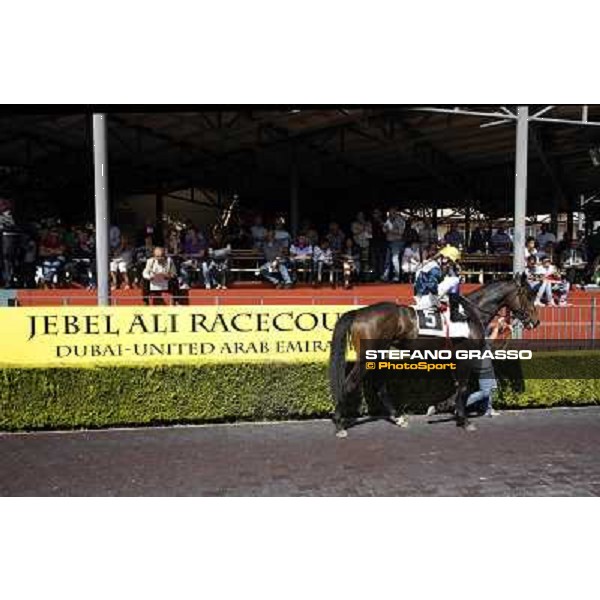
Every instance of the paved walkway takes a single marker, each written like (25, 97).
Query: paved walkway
(549, 452)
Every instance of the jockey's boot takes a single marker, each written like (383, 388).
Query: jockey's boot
(455, 314)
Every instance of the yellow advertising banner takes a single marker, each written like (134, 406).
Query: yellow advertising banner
(92, 336)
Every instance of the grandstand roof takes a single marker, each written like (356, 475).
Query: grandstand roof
(354, 155)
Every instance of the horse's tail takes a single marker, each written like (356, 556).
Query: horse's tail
(337, 357)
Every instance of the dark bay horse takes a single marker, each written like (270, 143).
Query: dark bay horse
(395, 322)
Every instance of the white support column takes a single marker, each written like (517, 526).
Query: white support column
(101, 204)
(520, 189)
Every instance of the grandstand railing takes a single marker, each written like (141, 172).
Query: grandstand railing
(576, 322)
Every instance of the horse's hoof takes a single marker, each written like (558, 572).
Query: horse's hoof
(470, 427)
(430, 411)
(401, 421)
(341, 434)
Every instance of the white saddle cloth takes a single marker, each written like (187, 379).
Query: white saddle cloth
(433, 323)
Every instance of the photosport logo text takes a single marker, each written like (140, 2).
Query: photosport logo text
(419, 361)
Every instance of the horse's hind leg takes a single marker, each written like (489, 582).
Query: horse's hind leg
(351, 386)
(340, 418)
(461, 408)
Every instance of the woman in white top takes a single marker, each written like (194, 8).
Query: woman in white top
(552, 283)
(411, 260)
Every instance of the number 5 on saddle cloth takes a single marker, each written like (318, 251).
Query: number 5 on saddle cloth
(434, 322)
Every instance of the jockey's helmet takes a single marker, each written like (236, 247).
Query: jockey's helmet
(451, 253)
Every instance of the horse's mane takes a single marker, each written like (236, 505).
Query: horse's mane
(489, 288)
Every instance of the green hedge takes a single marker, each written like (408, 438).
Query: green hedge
(103, 397)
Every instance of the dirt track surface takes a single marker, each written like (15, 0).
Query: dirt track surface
(538, 453)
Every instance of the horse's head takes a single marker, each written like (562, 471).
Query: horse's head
(522, 303)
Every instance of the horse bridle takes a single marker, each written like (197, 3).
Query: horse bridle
(520, 313)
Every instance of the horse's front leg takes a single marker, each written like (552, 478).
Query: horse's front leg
(340, 422)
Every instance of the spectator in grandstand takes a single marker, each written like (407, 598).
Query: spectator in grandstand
(70, 240)
(544, 290)
(546, 251)
(350, 258)
(52, 255)
(595, 272)
(8, 246)
(152, 235)
(427, 234)
(194, 258)
(218, 267)
(160, 275)
(282, 235)
(114, 236)
(545, 236)
(429, 251)
(487, 237)
(394, 232)
(174, 242)
(301, 257)
(410, 234)
(194, 243)
(336, 237)
(81, 265)
(308, 230)
(362, 233)
(583, 245)
(29, 260)
(500, 242)
(477, 241)
(530, 249)
(85, 244)
(120, 264)
(454, 237)
(378, 243)
(551, 283)
(573, 262)
(361, 229)
(411, 260)
(274, 268)
(323, 259)
(6, 218)
(531, 272)
(592, 244)
(258, 232)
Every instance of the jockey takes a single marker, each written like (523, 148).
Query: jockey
(437, 278)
